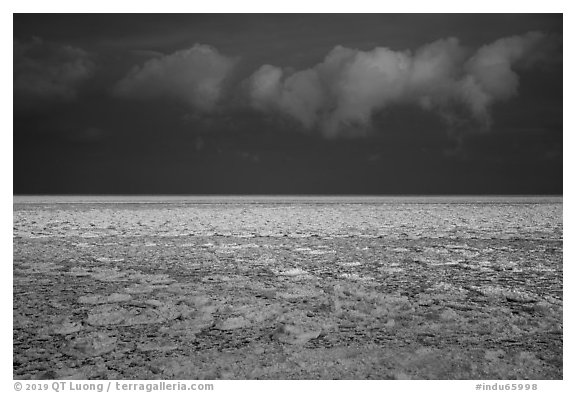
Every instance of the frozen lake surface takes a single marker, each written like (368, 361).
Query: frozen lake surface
(288, 287)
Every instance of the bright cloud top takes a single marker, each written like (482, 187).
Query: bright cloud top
(194, 76)
(340, 95)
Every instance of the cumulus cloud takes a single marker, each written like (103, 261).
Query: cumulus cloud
(340, 95)
(45, 71)
(194, 76)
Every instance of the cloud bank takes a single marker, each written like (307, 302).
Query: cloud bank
(193, 76)
(340, 95)
(45, 71)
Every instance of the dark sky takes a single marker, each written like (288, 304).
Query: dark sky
(287, 104)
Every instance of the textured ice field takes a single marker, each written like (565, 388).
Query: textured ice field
(198, 288)
(443, 218)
